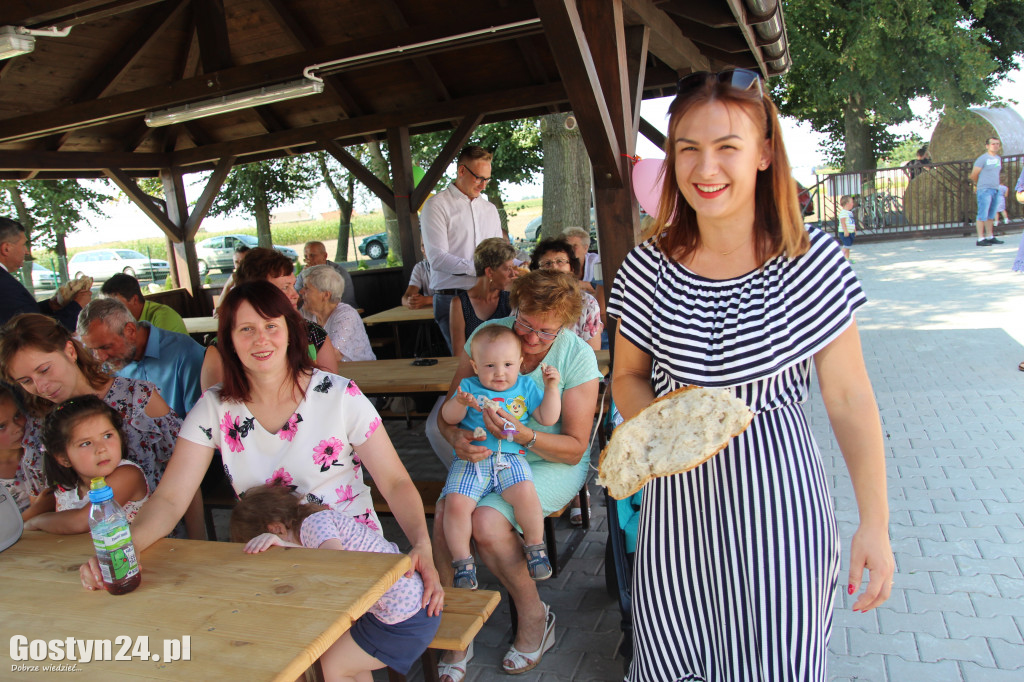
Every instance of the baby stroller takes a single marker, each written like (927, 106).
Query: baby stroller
(623, 517)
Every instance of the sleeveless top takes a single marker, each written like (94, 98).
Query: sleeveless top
(504, 309)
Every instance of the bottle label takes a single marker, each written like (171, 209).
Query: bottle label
(116, 543)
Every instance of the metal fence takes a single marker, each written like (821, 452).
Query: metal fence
(899, 203)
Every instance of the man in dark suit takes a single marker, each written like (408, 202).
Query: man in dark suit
(15, 299)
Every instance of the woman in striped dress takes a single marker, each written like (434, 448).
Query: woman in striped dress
(738, 560)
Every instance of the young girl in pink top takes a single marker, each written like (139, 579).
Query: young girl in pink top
(394, 632)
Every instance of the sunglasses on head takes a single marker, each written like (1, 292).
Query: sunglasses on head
(738, 80)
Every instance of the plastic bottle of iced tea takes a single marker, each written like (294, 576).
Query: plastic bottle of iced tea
(112, 537)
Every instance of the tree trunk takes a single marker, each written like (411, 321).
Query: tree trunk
(493, 193)
(25, 218)
(859, 154)
(262, 214)
(61, 249)
(567, 176)
(344, 205)
(380, 167)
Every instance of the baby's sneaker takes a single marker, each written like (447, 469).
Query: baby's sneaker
(537, 561)
(465, 573)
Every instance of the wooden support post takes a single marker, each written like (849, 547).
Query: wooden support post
(184, 255)
(615, 205)
(402, 182)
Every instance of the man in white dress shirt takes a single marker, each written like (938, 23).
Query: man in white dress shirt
(453, 222)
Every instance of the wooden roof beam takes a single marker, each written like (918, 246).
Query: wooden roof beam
(151, 206)
(40, 124)
(40, 13)
(428, 74)
(306, 40)
(506, 100)
(448, 153)
(31, 160)
(667, 42)
(361, 172)
(572, 53)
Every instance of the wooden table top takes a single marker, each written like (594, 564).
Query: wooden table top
(255, 617)
(200, 325)
(399, 314)
(391, 377)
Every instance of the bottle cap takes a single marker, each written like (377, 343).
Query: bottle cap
(99, 491)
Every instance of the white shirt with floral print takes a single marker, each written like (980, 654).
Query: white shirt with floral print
(312, 452)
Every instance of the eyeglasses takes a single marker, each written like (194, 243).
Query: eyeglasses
(543, 336)
(739, 80)
(479, 178)
(552, 263)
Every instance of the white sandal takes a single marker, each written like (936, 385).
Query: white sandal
(457, 670)
(517, 662)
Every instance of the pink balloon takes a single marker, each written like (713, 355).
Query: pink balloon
(648, 179)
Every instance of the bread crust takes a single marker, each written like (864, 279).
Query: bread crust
(708, 453)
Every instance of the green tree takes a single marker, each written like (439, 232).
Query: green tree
(344, 198)
(51, 209)
(857, 64)
(253, 190)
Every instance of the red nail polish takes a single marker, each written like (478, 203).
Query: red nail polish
(849, 588)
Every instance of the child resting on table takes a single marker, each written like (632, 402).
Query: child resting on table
(394, 632)
(83, 440)
(12, 428)
(496, 356)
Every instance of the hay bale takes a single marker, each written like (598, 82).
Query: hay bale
(960, 136)
(933, 198)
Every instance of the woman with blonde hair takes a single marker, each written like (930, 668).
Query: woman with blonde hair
(547, 304)
(737, 560)
(488, 299)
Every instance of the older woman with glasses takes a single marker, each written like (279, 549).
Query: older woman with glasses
(488, 298)
(547, 303)
(322, 289)
(737, 560)
(558, 254)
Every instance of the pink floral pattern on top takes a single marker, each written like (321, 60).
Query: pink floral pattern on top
(313, 451)
(353, 389)
(403, 599)
(326, 453)
(589, 325)
(280, 477)
(373, 426)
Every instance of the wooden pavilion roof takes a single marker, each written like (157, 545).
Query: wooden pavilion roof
(75, 106)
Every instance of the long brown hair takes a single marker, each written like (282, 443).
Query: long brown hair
(263, 505)
(44, 334)
(269, 302)
(778, 222)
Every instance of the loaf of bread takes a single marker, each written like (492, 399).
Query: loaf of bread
(673, 434)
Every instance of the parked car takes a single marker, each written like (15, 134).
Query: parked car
(533, 229)
(216, 253)
(104, 263)
(375, 246)
(43, 278)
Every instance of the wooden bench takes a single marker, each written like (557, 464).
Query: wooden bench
(430, 491)
(464, 615)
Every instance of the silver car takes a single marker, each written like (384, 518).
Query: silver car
(105, 263)
(216, 253)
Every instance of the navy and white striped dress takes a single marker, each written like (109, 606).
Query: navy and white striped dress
(737, 560)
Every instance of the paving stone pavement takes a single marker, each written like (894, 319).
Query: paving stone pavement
(942, 338)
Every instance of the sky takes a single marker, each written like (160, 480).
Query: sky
(805, 147)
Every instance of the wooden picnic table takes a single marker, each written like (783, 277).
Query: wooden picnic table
(401, 377)
(266, 616)
(399, 317)
(200, 325)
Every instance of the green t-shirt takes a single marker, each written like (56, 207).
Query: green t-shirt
(163, 316)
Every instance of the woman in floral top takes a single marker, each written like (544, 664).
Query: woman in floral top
(276, 418)
(40, 357)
